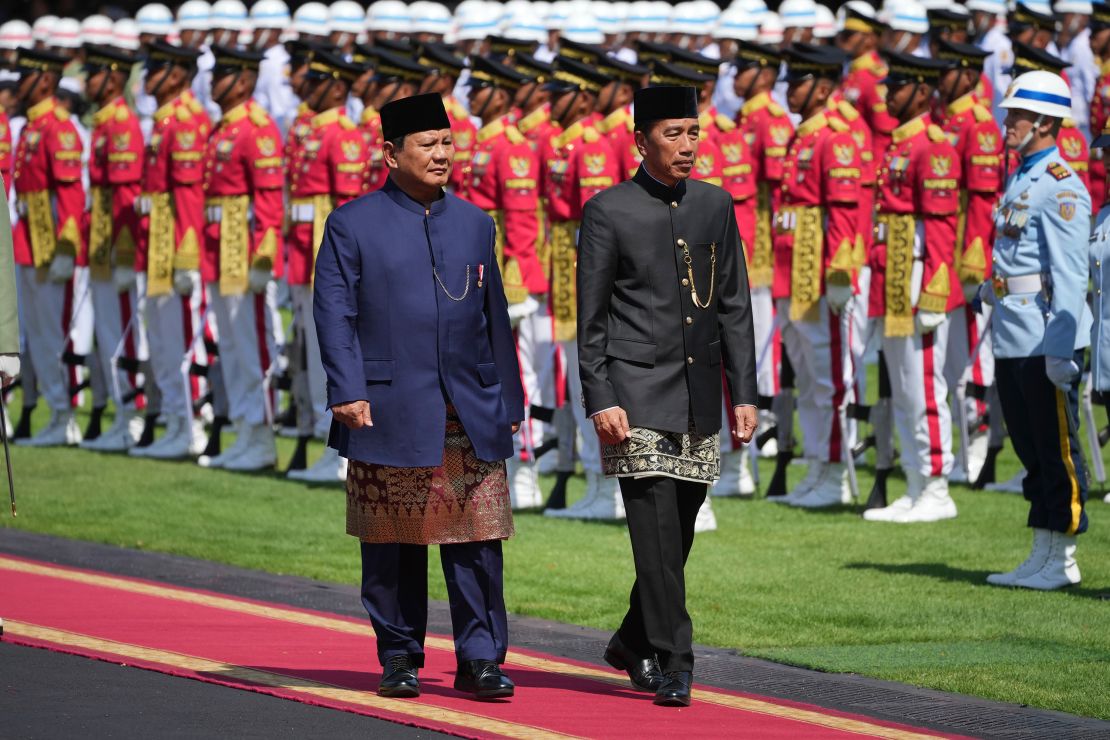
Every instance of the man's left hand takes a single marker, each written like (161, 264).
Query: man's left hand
(745, 423)
(516, 427)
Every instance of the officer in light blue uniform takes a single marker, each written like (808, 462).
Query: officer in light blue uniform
(1099, 259)
(1041, 325)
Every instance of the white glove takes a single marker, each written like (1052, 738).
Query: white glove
(986, 293)
(971, 290)
(9, 369)
(520, 311)
(184, 280)
(61, 268)
(838, 297)
(1062, 371)
(123, 278)
(259, 279)
(927, 321)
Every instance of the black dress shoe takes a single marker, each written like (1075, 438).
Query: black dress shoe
(675, 691)
(399, 679)
(644, 673)
(484, 679)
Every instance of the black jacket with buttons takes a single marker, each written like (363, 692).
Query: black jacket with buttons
(643, 344)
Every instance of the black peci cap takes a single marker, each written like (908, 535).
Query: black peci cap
(663, 102)
(417, 113)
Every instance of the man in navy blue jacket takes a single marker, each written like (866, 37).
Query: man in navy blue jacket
(425, 389)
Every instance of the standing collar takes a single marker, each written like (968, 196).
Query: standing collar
(657, 189)
(1031, 161)
(403, 199)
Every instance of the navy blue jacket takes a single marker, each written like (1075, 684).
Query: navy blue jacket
(390, 333)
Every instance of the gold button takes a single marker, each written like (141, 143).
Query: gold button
(674, 204)
(685, 282)
(689, 360)
(681, 242)
(689, 320)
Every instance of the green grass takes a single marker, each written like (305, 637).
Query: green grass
(818, 589)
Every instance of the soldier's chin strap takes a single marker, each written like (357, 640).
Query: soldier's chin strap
(569, 105)
(396, 87)
(528, 97)
(1029, 136)
(323, 94)
(903, 42)
(158, 88)
(751, 85)
(100, 88)
(227, 89)
(489, 99)
(809, 95)
(611, 96)
(905, 105)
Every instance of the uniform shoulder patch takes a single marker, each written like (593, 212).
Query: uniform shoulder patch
(724, 122)
(936, 133)
(195, 106)
(184, 114)
(590, 136)
(847, 110)
(776, 109)
(61, 113)
(259, 117)
(513, 135)
(122, 113)
(346, 123)
(981, 113)
(1059, 171)
(839, 126)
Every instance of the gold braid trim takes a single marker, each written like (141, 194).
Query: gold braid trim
(899, 272)
(934, 296)
(160, 252)
(971, 266)
(761, 272)
(188, 252)
(805, 268)
(40, 225)
(124, 249)
(511, 276)
(69, 238)
(961, 228)
(322, 206)
(563, 262)
(234, 243)
(100, 233)
(543, 239)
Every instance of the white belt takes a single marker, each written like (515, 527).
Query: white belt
(1021, 284)
(786, 220)
(143, 205)
(880, 233)
(21, 208)
(213, 214)
(302, 213)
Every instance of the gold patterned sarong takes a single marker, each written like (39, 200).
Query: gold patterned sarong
(564, 258)
(648, 452)
(234, 242)
(463, 500)
(899, 228)
(161, 247)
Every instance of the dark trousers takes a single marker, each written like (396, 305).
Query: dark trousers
(1056, 482)
(395, 594)
(661, 513)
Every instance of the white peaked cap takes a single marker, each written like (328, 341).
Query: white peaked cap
(155, 19)
(125, 34)
(771, 29)
(194, 15)
(15, 35)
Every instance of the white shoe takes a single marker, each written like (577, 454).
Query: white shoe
(933, 505)
(770, 448)
(1011, 486)
(118, 438)
(260, 452)
(736, 476)
(1106, 499)
(175, 443)
(807, 484)
(1059, 569)
(524, 484)
(330, 468)
(1042, 545)
(831, 490)
(606, 505)
(977, 454)
(915, 483)
(582, 504)
(61, 431)
(199, 441)
(707, 520)
(242, 439)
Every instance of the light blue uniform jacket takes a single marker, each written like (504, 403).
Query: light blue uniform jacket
(1043, 227)
(1100, 277)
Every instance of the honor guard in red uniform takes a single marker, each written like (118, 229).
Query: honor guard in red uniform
(863, 85)
(444, 69)
(115, 174)
(326, 171)
(394, 77)
(5, 149)
(978, 141)
(914, 286)
(502, 179)
(817, 228)
(300, 53)
(243, 180)
(576, 164)
(1100, 103)
(172, 229)
(533, 100)
(615, 107)
(48, 238)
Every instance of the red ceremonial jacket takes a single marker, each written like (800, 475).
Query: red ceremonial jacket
(577, 164)
(115, 176)
(617, 126)
(376, 171)
(767, 130)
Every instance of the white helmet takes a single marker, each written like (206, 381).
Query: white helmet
(346, 16)
(269, 14)
(582, 28)
(311, 18)
(994, 7)
(65, 34)
(429, 17)
(557, 15)
(907, 15)
(825, 27)
(479, 22)
(524, 23)
(15, 35)
(735, 23)
(230, 14)
(391, 16)
(862, 7)
(125, 34)
(937, 4)
(1083, 7)
(194, 15)
(798, 13)
(1039, 92)
(40, 31)
(155, 19)
(97, 29)
(771, 29)
(693, 18)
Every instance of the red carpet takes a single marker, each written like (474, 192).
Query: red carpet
(329, 661)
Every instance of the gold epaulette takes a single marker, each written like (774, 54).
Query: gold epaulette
(258, 116)
(776, 109)
(1068, 123)
(195, 106)
(981, 113)
(346, 123)
(61, 113)
(936, 133)
(122, 113)
(839, 126)
(724, 122)
(590, 135)
(847, 110)
(513, 135)
(184, 114)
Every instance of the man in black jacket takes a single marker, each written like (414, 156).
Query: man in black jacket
(662, 301)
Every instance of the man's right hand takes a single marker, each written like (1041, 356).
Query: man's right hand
(612, 426)
(353, 415)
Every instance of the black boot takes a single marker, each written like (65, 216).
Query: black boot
(399, 678)
(987, 472)
(92, 431)
(877, 499)
(777, 486)
(213, 448)
(675, 691)
(146, 439)
(484, 679)
(300, 455)
(558, 497)
(23, 428)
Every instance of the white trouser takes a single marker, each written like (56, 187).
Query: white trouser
(247, 350)
(174, 326)
(861, 330)
(534, 351)
(46, 325)
(965, 327)
(822, 371)
(920, 397)
(767, 345)
(115, 315)
(301, 296)
(80, 310)
(590, 451)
